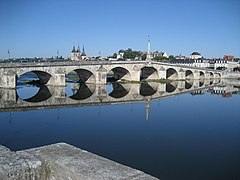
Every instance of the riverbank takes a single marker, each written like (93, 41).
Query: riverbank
(62, 161)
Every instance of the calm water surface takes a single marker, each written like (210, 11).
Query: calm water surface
(184, 137)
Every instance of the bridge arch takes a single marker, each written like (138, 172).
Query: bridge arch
(211, 77)
(118, 73)
(83, 91)
(148, 73)
(43, 77)
(189, 75)
(171, 74)
(84, 75)
(201, 75)
(217, 75)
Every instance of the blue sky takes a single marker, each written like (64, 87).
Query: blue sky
(32, 28)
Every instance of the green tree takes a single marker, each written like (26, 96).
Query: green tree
(144, 57)
(130, 54)
(171, 57)
(160, 58)
(114, 55)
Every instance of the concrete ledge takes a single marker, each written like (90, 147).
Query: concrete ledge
(62, 161)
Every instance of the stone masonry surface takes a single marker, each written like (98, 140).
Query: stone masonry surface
(62, 161)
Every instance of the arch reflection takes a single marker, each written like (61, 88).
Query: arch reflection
(84, 91)
(119, 90)
(146, 89)
(42, 95)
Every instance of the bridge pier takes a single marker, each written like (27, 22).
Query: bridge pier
(181, 85)
(207, 82)
(216, 81)
(100, 91)
(196, 74)
(8, 79)
(162, 87)
(217, 76)
(57, 80)
(181, 74)
(207, 75)
(135, 89)
(135, 76)
(59, 92)
(162, 74)
(196, 84)
(101, 76)
(8, 96)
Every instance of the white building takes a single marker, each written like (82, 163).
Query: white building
(163, 54)
(195, 55)
(180, 57)
(120, 55)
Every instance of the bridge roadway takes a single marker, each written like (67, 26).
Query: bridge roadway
(96, 95)
(53, 73)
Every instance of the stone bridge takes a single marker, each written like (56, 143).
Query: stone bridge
(54, 73)
(97, 95)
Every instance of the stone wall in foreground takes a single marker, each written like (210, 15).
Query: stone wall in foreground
(62, 161)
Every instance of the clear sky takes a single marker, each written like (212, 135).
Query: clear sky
(32, 28)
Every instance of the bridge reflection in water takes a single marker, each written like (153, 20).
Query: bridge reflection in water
(201, 130)
(49, 97)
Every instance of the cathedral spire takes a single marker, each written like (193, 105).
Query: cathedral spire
(78, 49)
(73, 49)
(83, 52)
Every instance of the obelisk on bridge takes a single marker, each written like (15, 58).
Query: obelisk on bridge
(148, 58)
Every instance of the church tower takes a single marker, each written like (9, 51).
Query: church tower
(73, 53)
(76, 54)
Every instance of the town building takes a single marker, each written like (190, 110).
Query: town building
(195, 55)
(228, 58)
(157, 54)
(120, 55)
(180, 57)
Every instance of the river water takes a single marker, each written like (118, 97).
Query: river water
(192, 135)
